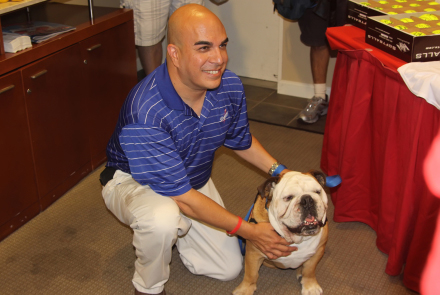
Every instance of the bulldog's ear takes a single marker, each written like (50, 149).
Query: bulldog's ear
(266, 188)
(319, 176)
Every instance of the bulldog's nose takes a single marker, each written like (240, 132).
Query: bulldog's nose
(307, 202)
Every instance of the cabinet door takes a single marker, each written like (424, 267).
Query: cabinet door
(53, 97)
(18, 197)
(110, 73)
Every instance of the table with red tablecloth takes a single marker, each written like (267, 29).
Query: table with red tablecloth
(376, 137)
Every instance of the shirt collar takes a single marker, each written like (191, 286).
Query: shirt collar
(166, 89)
(169, 94)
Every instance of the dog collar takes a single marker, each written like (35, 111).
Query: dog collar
(252, 208)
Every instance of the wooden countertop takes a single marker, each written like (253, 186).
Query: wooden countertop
(12, 6)
(74, 15)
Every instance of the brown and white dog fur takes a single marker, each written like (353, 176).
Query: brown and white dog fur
(296, 206)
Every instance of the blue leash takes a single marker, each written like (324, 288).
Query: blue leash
(241, 241)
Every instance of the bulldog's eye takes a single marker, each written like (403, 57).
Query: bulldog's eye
(318, 192)
(288, 198)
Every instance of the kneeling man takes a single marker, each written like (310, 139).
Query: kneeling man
(160, 157)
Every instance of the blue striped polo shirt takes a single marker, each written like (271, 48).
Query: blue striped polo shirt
(162, 142)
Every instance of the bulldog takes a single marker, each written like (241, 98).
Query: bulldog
(296, 206)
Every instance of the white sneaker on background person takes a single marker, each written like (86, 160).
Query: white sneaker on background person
(316, 108)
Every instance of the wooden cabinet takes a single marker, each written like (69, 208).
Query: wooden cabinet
(18, 197)
(54, 90)
(108, 65)
(57, 118)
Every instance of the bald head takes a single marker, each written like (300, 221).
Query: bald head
(188, 18)
(196, 51)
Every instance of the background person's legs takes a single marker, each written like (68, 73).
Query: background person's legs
(150, 57)
(150, 22)
(313, 29)
(178, 3)
(319, 59)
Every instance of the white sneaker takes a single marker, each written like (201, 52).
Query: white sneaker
(316, 108)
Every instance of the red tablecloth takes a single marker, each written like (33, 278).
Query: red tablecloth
(353, 38)
(376, 137)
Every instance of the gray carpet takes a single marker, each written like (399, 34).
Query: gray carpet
(77, 247)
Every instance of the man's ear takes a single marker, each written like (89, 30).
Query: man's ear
(173, 53)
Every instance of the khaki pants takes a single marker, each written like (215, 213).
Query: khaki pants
(158, 224)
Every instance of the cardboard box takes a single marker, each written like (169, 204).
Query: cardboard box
(359, 10)
(397, 36)
(357, 13)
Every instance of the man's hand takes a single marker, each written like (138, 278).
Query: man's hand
(262, 235)
(269, 242)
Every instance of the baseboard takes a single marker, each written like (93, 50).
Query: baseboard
(258, 82)
(297, 89)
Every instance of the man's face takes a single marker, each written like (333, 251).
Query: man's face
(203, 56)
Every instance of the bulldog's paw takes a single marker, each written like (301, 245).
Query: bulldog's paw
(311, 290)
(245, 289)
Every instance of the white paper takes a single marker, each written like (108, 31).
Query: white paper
(423, 79)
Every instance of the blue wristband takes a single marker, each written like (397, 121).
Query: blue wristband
(279, 169)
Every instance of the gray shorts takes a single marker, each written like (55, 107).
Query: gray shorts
(151, 17)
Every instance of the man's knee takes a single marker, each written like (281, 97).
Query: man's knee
(232, 267)
(234, 271)
(164, 219)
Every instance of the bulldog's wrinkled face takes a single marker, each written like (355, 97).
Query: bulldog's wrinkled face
(299, 204)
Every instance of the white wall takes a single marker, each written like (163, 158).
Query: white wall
(253, 31)
(262, 45)
(265, 46)
(295, 73)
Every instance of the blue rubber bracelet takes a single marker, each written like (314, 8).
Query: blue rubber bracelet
(279, 169)
(332, 181)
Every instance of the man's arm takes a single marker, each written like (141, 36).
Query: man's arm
(258, 156)
(198, 206)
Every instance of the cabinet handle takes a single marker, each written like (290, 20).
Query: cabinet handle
(93, 47)
(39, 74)
(6, 88)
